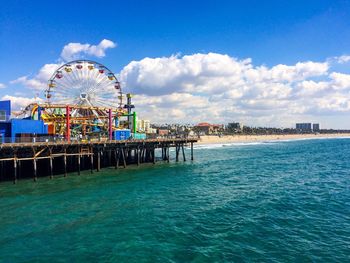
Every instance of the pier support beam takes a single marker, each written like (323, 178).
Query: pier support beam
(35, 170)
(15, 170)
(191, 151)
(154, 155)
(117, 154)
(143, 154)
(168, 154)
(78, 164)
(98, 160)
(1, 170)
(177, 150)
(19, 172)
(123, 156)
(65, 164)
(91, 161)
(138, 155)
(109, 158)
(183, 152)
(50, 167)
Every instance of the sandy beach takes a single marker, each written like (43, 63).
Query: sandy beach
(213, 139)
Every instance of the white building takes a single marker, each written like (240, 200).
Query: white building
(144, 126)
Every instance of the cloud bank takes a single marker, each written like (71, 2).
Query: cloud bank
(219, 88)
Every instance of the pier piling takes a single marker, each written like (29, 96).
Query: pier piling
(191, 151)
(183, 152)
(98, 160)
(65, 164)
(15, 170)
(168, 154)
(138, 155)
(91, 162)
(51, 168)
(123, 156)
(177, 150)
(78, 156)
(35, 169)
(117, 160)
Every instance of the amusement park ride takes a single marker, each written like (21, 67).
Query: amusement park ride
(84, 99)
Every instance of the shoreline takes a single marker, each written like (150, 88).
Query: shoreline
(214, 139)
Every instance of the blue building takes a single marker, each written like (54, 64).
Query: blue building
(14, 130)
(121, 134)
(303, 127)
(315, 127)
(5, 110)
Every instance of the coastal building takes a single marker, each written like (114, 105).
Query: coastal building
(144, 126)
(315, 127)
(307, 127)
(163, 132)
(234, 126)
(205, 128)
(303, 127)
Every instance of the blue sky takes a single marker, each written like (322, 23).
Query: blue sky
(33, 33)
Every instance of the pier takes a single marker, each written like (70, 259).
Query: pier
(40, 159)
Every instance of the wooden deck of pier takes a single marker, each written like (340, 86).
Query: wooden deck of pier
(37, 159)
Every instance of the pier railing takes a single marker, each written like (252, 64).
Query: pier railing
(61, 139)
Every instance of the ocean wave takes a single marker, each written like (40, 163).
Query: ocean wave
(309, 138)
(263, 142)
(232, 144)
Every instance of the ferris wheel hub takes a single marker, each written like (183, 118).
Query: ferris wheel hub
(83, 96)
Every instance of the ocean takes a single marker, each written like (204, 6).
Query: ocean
(283, 201)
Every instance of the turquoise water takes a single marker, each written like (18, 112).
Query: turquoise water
(270, 202)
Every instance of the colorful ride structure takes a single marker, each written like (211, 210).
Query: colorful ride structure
(84, 99)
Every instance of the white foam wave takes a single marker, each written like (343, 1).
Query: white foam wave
(310, 138)
(265, 142)
(220, 145)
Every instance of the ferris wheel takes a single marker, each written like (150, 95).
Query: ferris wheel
(84, 83)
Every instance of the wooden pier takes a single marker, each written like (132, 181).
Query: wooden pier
(33, 160)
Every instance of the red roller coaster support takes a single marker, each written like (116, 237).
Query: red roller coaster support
(68, 123)
(110, 131)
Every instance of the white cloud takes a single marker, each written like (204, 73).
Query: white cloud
(343, 59)
(209, 73)
(311, 88)
(73, 51)
(17, 102)
(188, 73)
(219, 88)
(2, 86)
(340, 81)
(39, 81)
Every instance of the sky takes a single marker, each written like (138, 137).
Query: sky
(262, 63)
